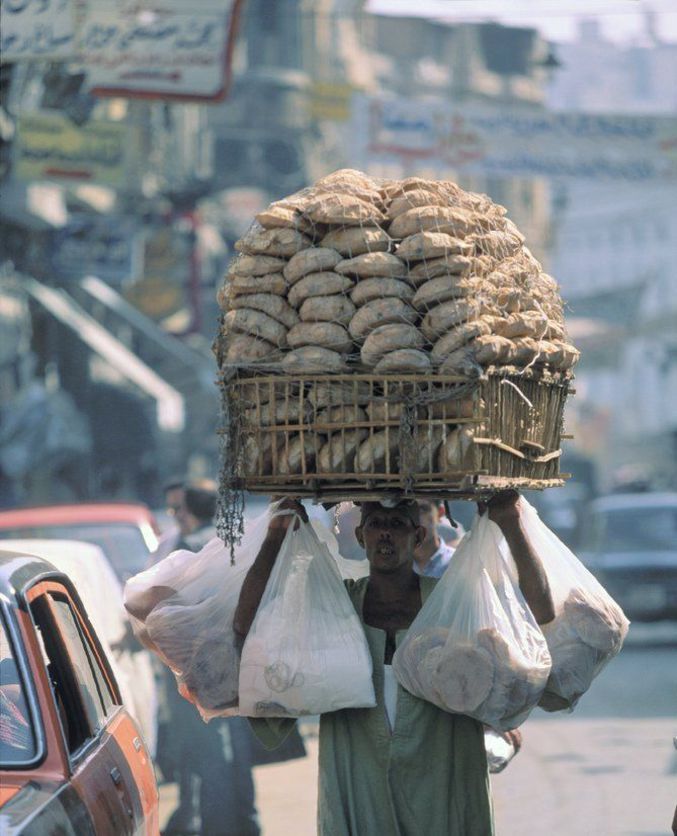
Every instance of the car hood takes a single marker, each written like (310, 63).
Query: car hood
(606, 561)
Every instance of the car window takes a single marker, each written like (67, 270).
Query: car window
(17, 736)
(81, 692)
(635, 529)
(122, 544)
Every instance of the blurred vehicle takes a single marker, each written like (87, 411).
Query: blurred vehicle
(72, 760)
(101, 593)
(630, 544)
(125, 531)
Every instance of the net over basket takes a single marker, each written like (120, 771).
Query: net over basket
(388, 338)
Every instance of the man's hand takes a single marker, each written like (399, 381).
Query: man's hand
(503, 507)
(514, 737)
(281, 522)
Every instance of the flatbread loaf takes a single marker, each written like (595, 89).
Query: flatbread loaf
(387, 338)
(281, 242)
(404, 360)
(380, 312)
(449, 314)
(275, 306)
(443, 289)
(337, 309)
(257, 324)
(457, 452)
(243, 348)
(456, 222)
(325, 334)
(356, 240)
(313, 260)
(268, 283)
(318, 284)
(457, 337)
(377, 451)
(310, 358)
(342, 209)
(291, 457)
(424, 246)
(458, 265)
(368, 289)
(255, 265)
(373, 264)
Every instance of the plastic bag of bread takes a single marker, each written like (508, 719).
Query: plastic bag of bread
(182, 609)
(475, 648)
(589, 627)
(306, 652)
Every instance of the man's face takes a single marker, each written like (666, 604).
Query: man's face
(389, 538)
(429, 521)
(176, 506)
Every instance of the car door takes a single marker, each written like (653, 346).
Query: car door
(110, 768)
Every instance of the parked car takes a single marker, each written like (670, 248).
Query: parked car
(125, 531)
(101, 593)
(72, 760)
(630, 544)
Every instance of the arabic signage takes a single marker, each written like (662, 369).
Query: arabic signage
(167, 49)
(34, 29)
(330, 100)
(506, 142)
(51, 147)
(98, 245)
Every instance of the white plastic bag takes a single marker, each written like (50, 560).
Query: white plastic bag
(191, 630)
(589, 627)
(306, 652)
(475, 648)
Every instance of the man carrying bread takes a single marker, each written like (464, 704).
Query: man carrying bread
(404, 767)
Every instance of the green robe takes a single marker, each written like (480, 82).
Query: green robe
(428, 777)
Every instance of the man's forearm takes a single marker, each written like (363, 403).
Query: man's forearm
(255, 583)
(533, 580)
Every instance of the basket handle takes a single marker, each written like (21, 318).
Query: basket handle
(496, 442)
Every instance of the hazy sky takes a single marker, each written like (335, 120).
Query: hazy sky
(620, 20)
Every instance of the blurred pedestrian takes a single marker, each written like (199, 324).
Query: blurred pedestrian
(173, 493)
(452, 532)
(432, 556)
(213, 762)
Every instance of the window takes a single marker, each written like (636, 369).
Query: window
(17, 736)
(81, 692)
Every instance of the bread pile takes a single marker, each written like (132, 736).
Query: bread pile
(587, 634)
(390, 277)
(485, 678)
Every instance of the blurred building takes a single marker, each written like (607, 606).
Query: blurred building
(614, 257)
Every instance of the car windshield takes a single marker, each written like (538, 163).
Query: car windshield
(122, 544)
(635, 529)
(17, 737)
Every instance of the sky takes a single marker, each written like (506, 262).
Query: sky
(620, 20)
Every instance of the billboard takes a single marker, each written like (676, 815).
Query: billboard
(506, 141)
(166, 49)
(50, 146)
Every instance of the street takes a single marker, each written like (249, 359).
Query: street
(609, 769)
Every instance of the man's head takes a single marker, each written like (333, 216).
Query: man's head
(193, 504)
(429, 517)
(389, 535)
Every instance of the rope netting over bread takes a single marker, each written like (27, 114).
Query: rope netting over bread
(359, 276)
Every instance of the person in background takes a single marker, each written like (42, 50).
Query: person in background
(432, 556)
(173, 492)
(213, 762)
(452, 532)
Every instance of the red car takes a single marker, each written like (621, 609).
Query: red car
(72, 760)
(125, 531)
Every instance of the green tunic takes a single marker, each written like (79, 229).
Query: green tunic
(427, 778)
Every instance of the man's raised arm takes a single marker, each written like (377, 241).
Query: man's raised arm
(504, 510)
(257, 577)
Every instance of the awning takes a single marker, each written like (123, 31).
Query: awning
(169, 402)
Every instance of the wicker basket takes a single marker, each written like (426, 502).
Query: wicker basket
(516, 420)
